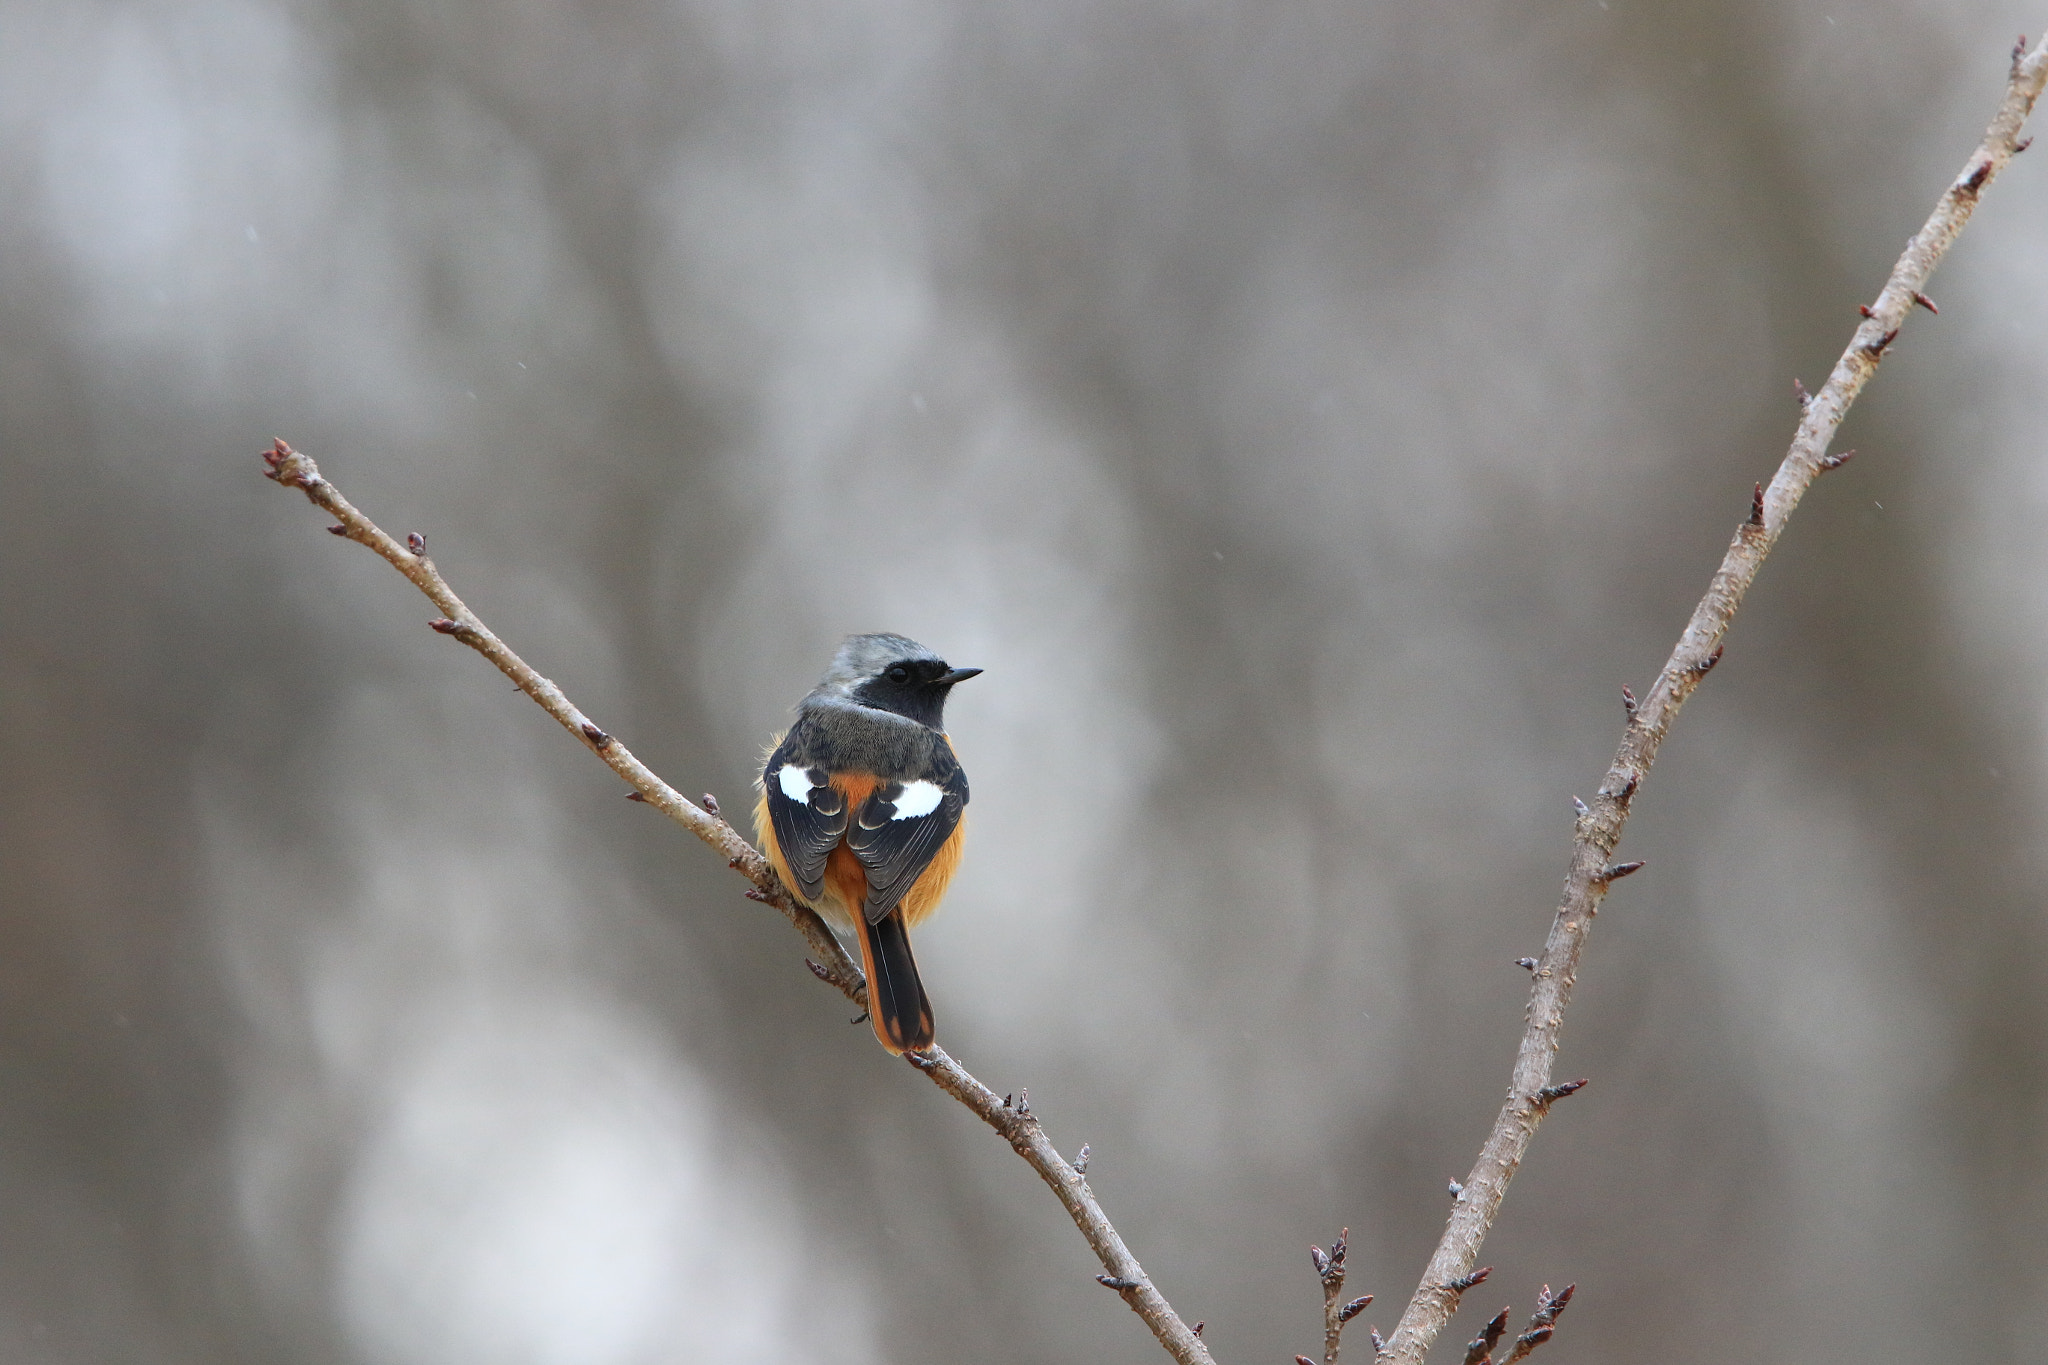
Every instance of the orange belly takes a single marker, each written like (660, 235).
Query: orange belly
(846, 880)
(930, 888)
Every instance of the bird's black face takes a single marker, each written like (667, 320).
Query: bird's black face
(915, 688)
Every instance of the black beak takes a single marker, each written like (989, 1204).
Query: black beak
(957, 675)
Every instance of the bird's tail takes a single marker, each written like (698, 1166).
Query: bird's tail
(897, 1006)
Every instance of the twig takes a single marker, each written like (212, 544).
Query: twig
(1479, 1350)
(1330, 1270)
(1542, 1324)
(1599, 828)
(1011, 1118)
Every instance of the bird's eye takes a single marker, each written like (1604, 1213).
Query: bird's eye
(899, 674)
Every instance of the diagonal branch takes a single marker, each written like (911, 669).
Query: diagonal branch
(1015, 1121)
(1011, 1117)
(1699, 648)
(294, 470)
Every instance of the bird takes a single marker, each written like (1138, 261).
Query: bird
(860, 813)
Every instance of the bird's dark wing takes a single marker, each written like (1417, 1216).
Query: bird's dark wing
(809, 817)
(901, 827)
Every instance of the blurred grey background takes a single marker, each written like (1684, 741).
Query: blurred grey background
(1309, 414)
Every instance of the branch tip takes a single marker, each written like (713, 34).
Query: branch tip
(1628, 700)
(282, 464)
(1479, 1351)
(1836, 461)
(1527, 964)
(1616, 871)
(710, 803)
(1199, 1326)
(337, 530)
(2022, 145)
(1878, 346)
(636, 796)
(1550, 1094)
(445, 626)
(1541, 1324)
(1706, 665)
(1303, 1360)
(288, 466)
(1353, 1308)
(1925, 302)
(1799, 388)
(1457, 1190)
(599, 739)
(1864, 309)
(1756, 507)
(1581, 807)
(1081, 1160)
(417, 543)
(1465, 1282)
(1117, 1282)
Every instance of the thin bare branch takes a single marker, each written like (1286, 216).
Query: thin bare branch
(1009, 1116)
(294, 470)
(1014, 1120)
(1479, 1350)
(1330, 1270)
(1542, 1324)
(1599, 826)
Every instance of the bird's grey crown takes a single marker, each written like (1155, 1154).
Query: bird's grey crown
(862, 657)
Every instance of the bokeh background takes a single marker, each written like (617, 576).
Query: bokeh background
(1309, 413)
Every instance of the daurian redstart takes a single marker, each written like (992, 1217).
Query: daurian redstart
(860, 813)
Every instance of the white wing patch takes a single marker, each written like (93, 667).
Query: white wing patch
(796, 783)
(919, 798)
